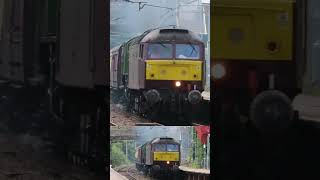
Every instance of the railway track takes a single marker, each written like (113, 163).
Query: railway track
(131, 175)
(120, 117)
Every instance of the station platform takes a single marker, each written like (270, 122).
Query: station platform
(206, 95)
(194, 174)
(192, 170)
(308, 107)
(114, 175)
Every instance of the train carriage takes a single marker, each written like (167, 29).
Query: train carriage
(55, 51)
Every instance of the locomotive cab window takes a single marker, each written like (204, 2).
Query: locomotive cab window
(160, 51)
(166, 147)
(141, 51)
(187, 51)
(172, 148)
(159, 147)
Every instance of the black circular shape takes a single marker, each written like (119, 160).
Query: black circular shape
(272, 46)
(152, 96)
(271, 112)
(194, 97)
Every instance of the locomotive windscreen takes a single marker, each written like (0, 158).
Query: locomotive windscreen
(172, 147)
(187, 51)
(182, 51)
(166, 147)
(160, 51)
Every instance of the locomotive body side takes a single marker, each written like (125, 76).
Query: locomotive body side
(115, 67)
(136, 68)
(81, 62)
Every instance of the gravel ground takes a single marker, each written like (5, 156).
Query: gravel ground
(27, 157)
(120, 117)
(133, 172)
(26, 152)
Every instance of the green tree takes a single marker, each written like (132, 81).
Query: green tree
(117, 156)
(196, 153)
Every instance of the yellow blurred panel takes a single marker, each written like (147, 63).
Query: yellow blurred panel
(166, 156)
(252, 29)
(184, 70)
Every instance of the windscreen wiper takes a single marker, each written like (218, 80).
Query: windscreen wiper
(193, 48)
(163, 45)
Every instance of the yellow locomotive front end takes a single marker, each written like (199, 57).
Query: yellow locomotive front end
(253, 53)
(166, 156)
(166, 72)
(175, 62)
(174, 66)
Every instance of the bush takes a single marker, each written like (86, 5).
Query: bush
(117, 156)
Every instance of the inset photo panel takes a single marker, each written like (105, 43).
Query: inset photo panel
(160, 152)
(159, 62)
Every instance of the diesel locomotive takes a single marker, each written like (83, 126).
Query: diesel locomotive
(255, 61)
(161, 70)
(158, 155)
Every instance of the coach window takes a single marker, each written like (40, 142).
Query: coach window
(160, 51)
(187, 51)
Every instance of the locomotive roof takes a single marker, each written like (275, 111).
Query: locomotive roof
(163, 35)
(115, 49)
(161, 139)
(181, 35)
(164, 140)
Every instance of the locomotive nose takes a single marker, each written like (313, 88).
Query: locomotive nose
(194, 97)
(152, 96)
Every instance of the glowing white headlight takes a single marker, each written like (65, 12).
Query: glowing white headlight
(168, 162)
(178, 83)
(218, 71)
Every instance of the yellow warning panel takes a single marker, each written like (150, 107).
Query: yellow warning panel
(185, 70)
(252, 29)
(166, 156)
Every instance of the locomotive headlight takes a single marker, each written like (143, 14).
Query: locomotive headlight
(178, 83)
(218, 71)
(168, 162)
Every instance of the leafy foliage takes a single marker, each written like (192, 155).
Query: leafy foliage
(118, 153)
(197, 153)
